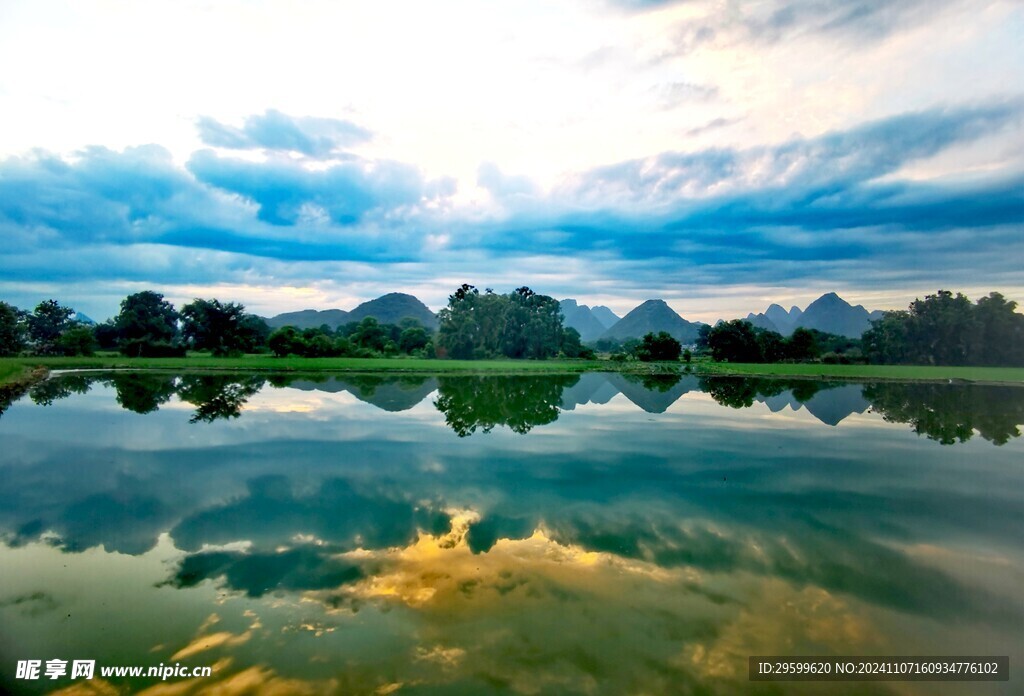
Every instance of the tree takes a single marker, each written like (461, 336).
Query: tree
(220, 328)
(77, 340)
(521, 324)
(734, 341)
(147, 324)
(287, 341)
(659, 347)
(946, 329)
(12, 330)
(413, 338)
(45, 325)
(371, 335)
(802, 345)
(1000, 338)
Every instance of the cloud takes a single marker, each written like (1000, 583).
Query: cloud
(832, 209)
(286, 191)
(779, 20)
(275, 131)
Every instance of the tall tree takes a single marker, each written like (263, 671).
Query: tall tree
(146, 320)
(222, 328)
(12, 330)
(45, 325)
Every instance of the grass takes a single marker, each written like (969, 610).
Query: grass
(929, 373)
(19, 370)
(12, 368)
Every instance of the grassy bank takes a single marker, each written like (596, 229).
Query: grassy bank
(11, 368)
(24, 370)
(926, 373)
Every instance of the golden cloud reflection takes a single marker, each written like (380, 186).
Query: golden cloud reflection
(536, 616)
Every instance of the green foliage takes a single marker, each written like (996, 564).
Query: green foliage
(734, 341)
(145, 319)
(223, 329)
(742, 342)
(77, 340)
(520, 403)
(412, 339)
(45, 325)
(521, 324)
(950, 415)
(658, 347)
(106, 334)
(946, 329)
(12, 330)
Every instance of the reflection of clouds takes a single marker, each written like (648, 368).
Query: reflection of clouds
(805, 621)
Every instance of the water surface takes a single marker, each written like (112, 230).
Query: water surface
(596, 533)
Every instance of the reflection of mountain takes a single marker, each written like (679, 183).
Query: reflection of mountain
(829, 402)
(830, 405)
(653, 393)
(946, 413)
(389, 393)
(592, 388)
(834, 404)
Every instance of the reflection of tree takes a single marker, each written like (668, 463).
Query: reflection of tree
(218, 396)
(658, 383)
(143, 392)
(520, 403)
(951, 413)
(49, 390)
(740, 392)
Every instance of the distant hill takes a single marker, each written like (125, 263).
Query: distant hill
(651, 317)
(832, 314)
(761, 321)
(775, 318)
(85, 319)
(829, 313)
(605, 316)
(581, 318)
(392, 308)
(309, 319)
(387, 309)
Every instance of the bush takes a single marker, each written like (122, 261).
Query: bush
(146, 348)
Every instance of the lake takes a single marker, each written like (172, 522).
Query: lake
(595, 533)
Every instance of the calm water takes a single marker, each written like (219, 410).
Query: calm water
(579, 534)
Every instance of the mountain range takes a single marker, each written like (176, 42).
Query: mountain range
(387, 309)
(829, 313)
(591, 322)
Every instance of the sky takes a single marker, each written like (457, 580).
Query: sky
(718, 154)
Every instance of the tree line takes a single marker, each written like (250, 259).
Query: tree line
(942, 329)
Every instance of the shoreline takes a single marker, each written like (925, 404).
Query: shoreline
(21, 373)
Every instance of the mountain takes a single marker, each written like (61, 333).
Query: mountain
(829, 313)
(653, 316)
(392, 308)
(309, 319)
(832, 314)
(763, 322)
(775, 318)
(387, 309)
(786, 321)
(581, 318)
(79, 316)
(604, 315)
